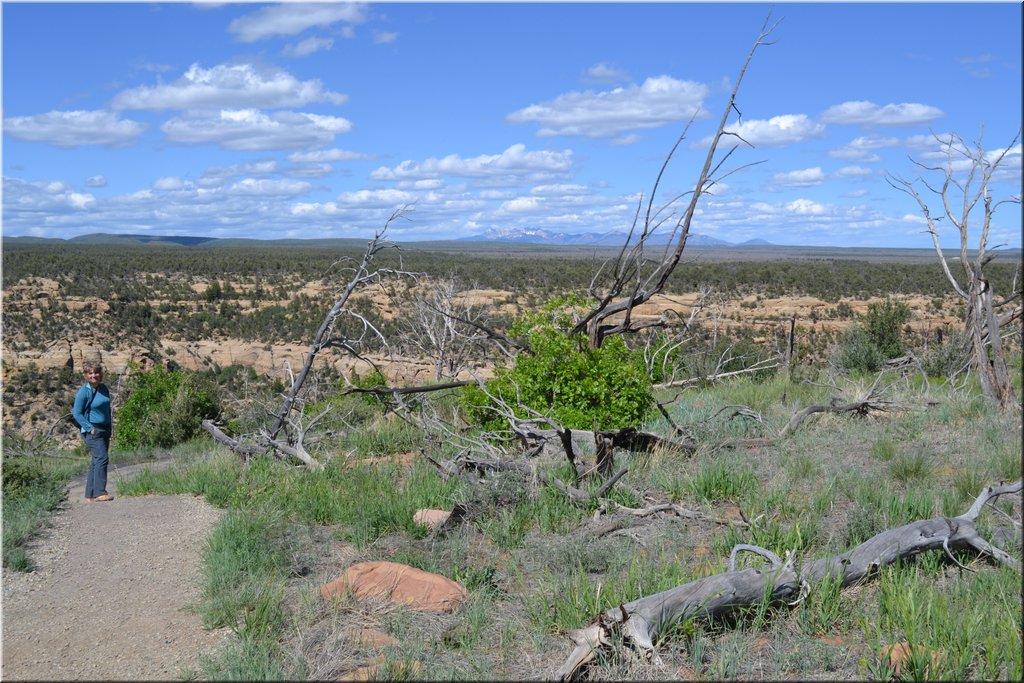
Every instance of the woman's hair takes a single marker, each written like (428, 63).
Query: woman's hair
(92, 366)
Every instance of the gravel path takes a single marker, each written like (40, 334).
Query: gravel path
(107, 599)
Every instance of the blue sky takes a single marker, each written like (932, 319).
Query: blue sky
(318, 120)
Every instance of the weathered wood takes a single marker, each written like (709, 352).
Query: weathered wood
(638, 623)
(862, 406)
(238, 446)
(629, 438)
(966, 173)
(676, 510)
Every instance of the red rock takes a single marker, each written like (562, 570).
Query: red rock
(379, 670)
(372, 637)
(431, 518)
(899, 655)
(399, 583)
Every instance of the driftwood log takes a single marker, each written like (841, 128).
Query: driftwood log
(639, 623)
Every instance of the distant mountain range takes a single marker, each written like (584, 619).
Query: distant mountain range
(519, 236)
(598, 239)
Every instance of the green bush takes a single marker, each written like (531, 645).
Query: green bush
(21, 476)
(883, 322)
(563, 378)
(856, 351)
(32, 487)
(164, 408)
(947, 358)
(371, 380)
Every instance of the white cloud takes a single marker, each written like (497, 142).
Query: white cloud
(263, 187)
(560, 189)
(863, 148)
(384, 37)
(516, 161)
(870, 114)
(853, 172)
(292, 18)
(624, 140)
(168, 183)
(803, 178)
(658, 101)
(425, 184)
(306, 47)
(262, 167)
(74, 128)
(806, 207)
(604, 73)
(777, 131)
(522, 204)
(330, 155)
(96, 181)
(309, 170)
(230, 86)
(80, 200)
(40, 201)
(797, 207)
(248, 129)
(377, 198)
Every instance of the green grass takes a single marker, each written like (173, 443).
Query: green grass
(33, 487)
(729, 478)
(564, 601)
(533, 569)
(370, 500)
(974, 622)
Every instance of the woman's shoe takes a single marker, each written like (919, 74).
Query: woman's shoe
(104, 497)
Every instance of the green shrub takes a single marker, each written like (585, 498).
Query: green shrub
(563, 378)
(945, 359)
(21, 476)
(32, 487)
(164, 408)
(883, 322)
(857, 352)
(371, 380)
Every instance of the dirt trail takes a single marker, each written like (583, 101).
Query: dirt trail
(108, 598)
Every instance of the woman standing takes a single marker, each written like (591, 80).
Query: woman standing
(92, 413)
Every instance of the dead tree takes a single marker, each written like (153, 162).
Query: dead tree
(966, 174)
(443, 327)
(286, 435)
(633, 278)
(639, 623)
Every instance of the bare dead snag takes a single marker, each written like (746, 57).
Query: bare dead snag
(633, 277)
(326, 336)
(965, 176)
(640, 622)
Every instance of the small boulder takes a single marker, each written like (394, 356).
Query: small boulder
(380, 670)
(400, 584)
(899, 655)
(431, 518)
(371, 637)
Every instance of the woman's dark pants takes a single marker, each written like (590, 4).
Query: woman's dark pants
(99, 444)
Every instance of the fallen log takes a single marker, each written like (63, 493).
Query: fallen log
(638, 623)
(238, 446)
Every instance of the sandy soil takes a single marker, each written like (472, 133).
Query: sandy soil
(109, 597)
